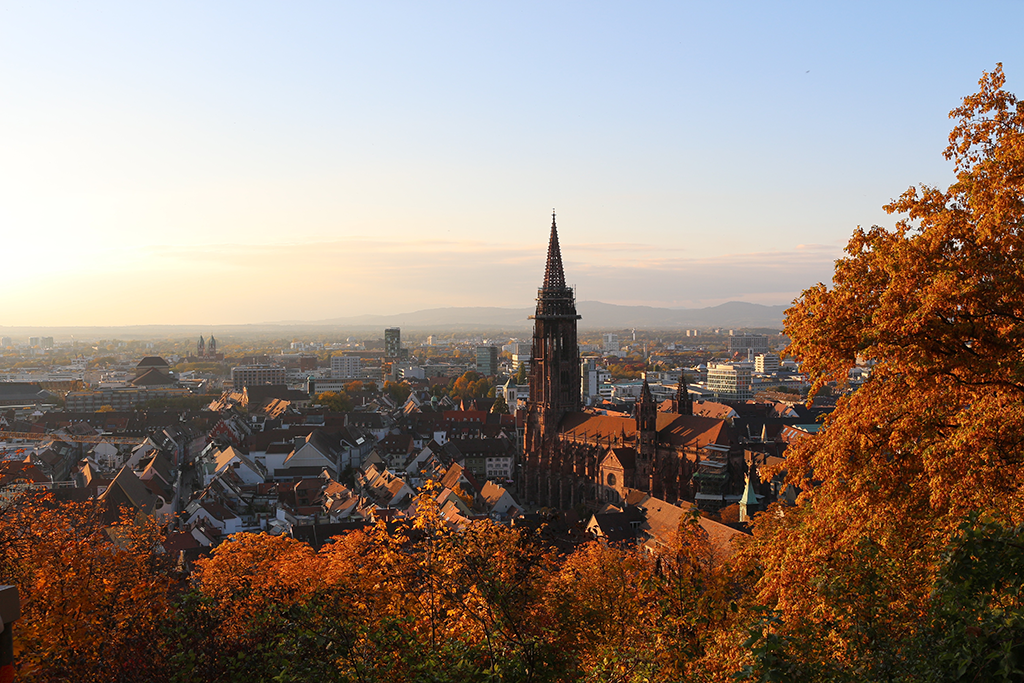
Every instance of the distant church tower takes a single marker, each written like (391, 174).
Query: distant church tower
(682, 403)
(201, 347)
(554, 372)
(213, 346)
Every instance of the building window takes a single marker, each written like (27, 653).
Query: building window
(611, 479)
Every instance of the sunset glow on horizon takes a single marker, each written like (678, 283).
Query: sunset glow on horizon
(258, 162)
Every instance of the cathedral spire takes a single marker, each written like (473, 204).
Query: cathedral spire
(554, 276)
(554, 381)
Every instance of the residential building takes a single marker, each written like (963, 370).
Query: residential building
(119, 398)
(766, 362)
(610, 343)
(519, 359)
(749, 344)
(345, 367)
(247, 375)
(591, 379)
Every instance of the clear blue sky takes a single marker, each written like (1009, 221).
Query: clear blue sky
(247, 162)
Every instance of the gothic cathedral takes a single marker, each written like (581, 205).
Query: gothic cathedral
(575, 457)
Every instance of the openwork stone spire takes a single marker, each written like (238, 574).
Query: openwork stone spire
(554, 275)
(555, 299)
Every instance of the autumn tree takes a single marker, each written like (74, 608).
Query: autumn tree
(937, 306)
(356, 386)
(338, 401)
(93, 595)
(470, 385)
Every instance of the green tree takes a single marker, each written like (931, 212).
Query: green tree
(522, 377)
(398, 391)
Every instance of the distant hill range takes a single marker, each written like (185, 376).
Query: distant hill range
(596, 315)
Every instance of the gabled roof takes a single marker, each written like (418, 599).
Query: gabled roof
(618, 526)
(692, 430)
(324, 442)
(153, 377)
(13, 471)
(679, 430)
(367, 420)
(663, 519)
(396, 443)
(159, 466)
(217, 511)
(225, 457)
(713, 409)
(455, 474)
(259, 393)
(491, 494)
(451, 478)
(157, 487)
(152, 362)
(29, 391)
(127, 490)
(483, 447)
(622, 457)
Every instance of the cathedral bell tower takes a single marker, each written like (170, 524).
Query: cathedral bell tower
(646, 436)
(554, 368)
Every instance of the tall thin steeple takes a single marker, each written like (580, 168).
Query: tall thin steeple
(554, 275)
(554, 375)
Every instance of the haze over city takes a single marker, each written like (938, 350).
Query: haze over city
(254, 162)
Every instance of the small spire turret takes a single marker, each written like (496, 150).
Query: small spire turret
(683, 403)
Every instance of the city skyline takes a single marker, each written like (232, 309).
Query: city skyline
(255, 163)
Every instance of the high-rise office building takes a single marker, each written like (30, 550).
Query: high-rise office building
(731, 381)
(487, 360)
(393, 342)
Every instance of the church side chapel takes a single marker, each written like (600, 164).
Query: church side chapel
(582, 457)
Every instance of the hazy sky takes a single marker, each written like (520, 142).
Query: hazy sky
(217, 162)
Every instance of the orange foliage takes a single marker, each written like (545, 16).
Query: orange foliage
(936, 305)
(92, 597)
